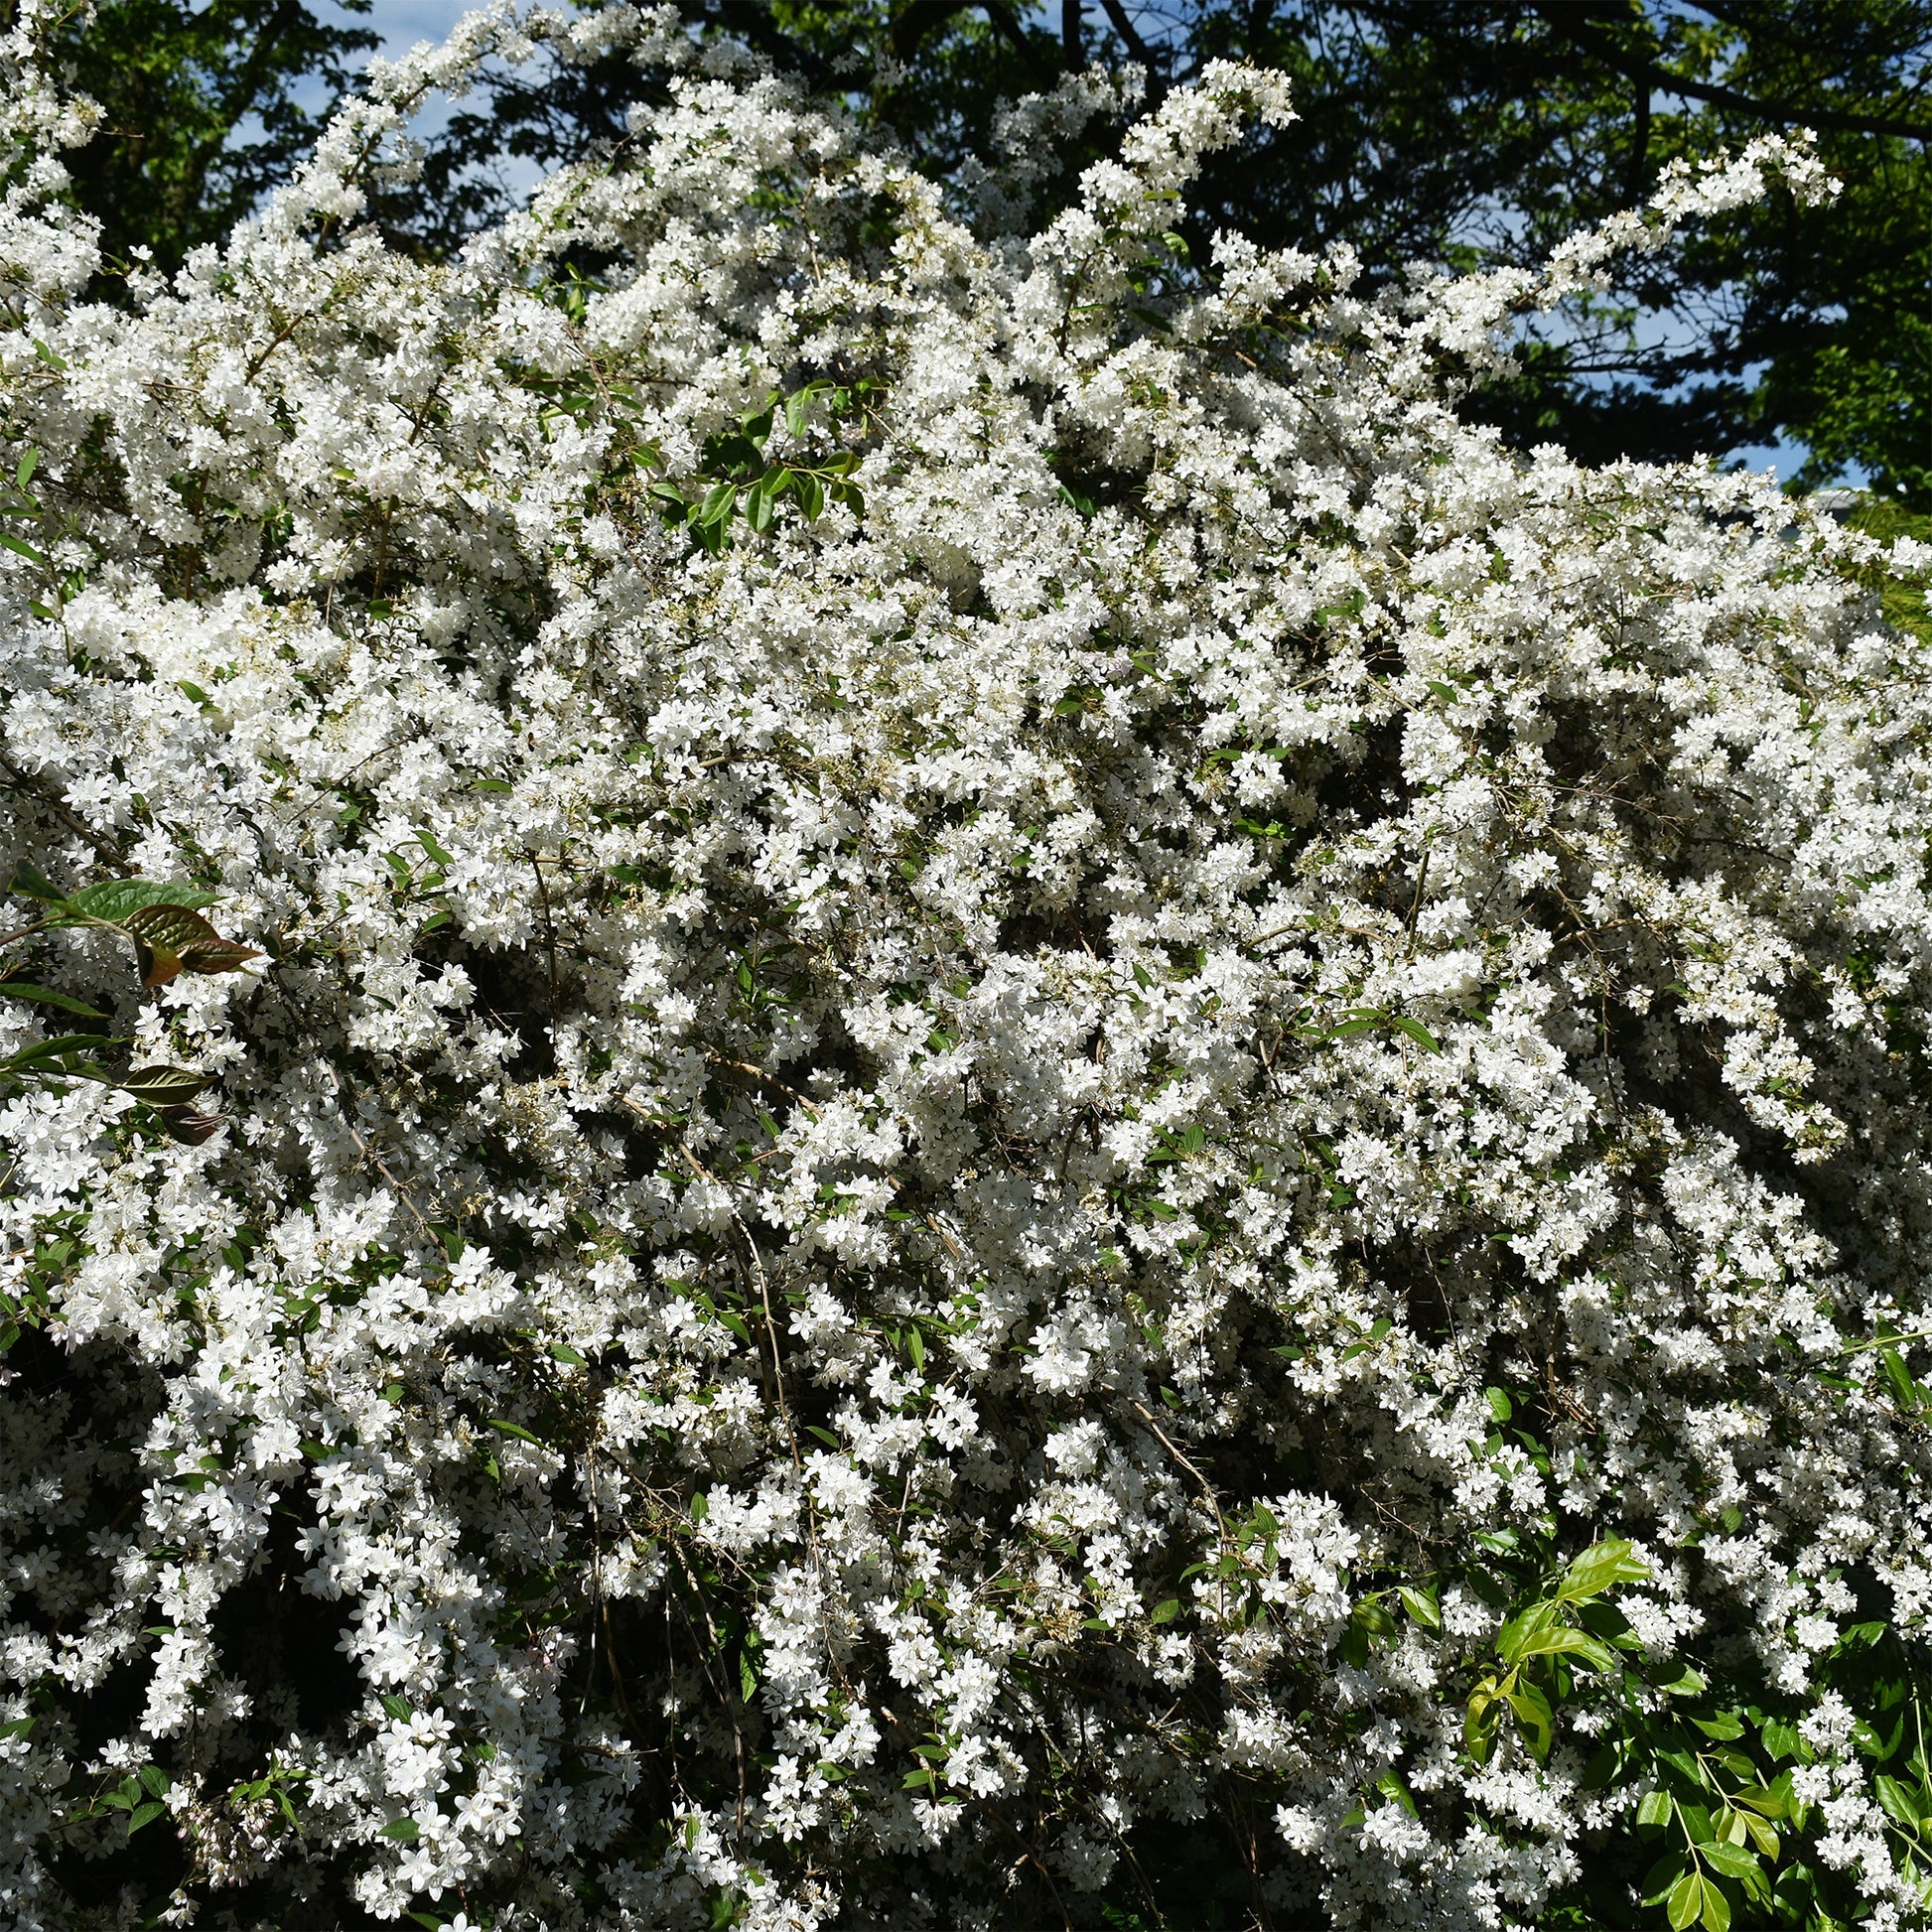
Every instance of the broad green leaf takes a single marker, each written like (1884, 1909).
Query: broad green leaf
(1599, 1567)
(1654, 1810)
(165, 923)
(47, 996)
(1499, 1403)
(113, 899)
(1165, 1612)
(1724, 1726)
(1687, 1683)
(1686, 1901)
(144, 1814)
(1734, 1862)
(1479, 1723)
(26, 550)
(561, 1351)
(1420, 1606)
(405, 1830)
(1556, 1640)
(1899, 1800)
(60, 1047)
(506, 1428)
(1390, 1786)
(154, 1780)
(1908, 1393)
(1533, 1713)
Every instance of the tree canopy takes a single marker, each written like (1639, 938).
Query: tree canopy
(1453, 132)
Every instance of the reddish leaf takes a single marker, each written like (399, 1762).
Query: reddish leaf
(222, 956)
(158, 965)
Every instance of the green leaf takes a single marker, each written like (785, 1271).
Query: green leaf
(1599, 1567)
(1499, 1404)
(113, 901)
(1420, 1606)
(29, 884)
(47, 996)
(1391, 1787)
(154, 1780)
(1724, 1726)
(26, 550)
(405, 1830)
(25, 473)
(1415, 1031)
(1165, 1612)
(1687, 1683)
(748, 1680)
(561, 1351)
(1557, 1640)
(398, 1707)
(1910, 1396)
(1900, 1801)
(144, 1815)
(1686, 1901)
(61, 1047)
(1663, 1877)
(162, 1086)
(1731, 1861)
(506, 1428)
(1533, 1713)
(1654, 1811)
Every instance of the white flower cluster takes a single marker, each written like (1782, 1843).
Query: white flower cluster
(1015, 1039)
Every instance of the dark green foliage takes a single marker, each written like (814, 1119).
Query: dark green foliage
(203, 111)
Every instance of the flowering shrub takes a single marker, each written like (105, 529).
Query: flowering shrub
(958, 1090)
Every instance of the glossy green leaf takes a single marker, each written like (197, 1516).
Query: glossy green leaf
(1901, 1801)
(1599, 1567)
(1420, 1606)
(114, 900)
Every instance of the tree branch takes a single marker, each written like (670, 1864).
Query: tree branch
(1782, 113)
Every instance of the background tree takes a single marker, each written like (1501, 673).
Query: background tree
(1441, 131)
(205, 110)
